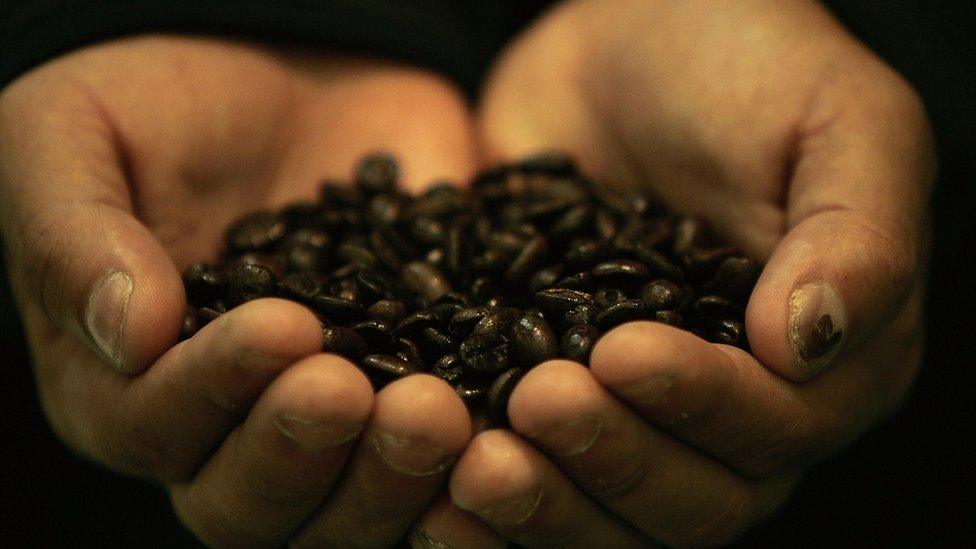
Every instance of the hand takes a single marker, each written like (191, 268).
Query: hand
(119, 165)
(798, 145)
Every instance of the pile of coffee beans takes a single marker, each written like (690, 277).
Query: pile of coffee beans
(534, 261)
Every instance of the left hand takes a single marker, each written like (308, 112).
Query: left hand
(800, 146)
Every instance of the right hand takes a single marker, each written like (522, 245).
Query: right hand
(119, 165)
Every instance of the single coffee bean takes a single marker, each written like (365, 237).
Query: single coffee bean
(545, 278)
(383, 209)
(736, 278)
(203, 283)
(606, 297)
(625, 311)
(661, 294)
(445, 312)
(529, 259)
(497, 323)
(551, 163)
(574, 222)
(377, 173)
(373, 285)
(499, 393)
(378, 334)
(449, 368)
(389, 310)
(558, 301)
(458, 249)
(300, 287)
(484, 354)
(357, 252)
(305, 258)
(425, 279)
(471, 392)
(343, 341)
(585, 253)
(531, 341)
(388, 366)
(334, 194)
(337, 309)
(415, 322)
(439, 201)
(728, 331)
(702, 263)
(256, 232)
(717, 307)
(391, 248)
(464, 321)
(206, 315)
(671, 318)
(581, 314)
(620, 273)
(576, 281)
(688, 233)
(435, 343)
(578, 342)
(428, 231)
(248, 282)
(658, 264)
(409, 351)
(190, 323)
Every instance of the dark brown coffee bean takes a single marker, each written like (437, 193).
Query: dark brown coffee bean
(531, 341)
(736, 278)
(389, 310)
(206, 315)
(378, 334)
(445, 312)
(333, 194)
(606, 297)
(427, 231)
(661, 294)
(415, 322)
(658, 264)
(558, 301)
(409, 351)
(437, 202)
(300, 215)
(576, 281)
(248, 282)
(485, 354)
(471, 392)
(453, 297)
(458, 250)
(338, 310)
(391, 248)
(497, 323)
(463, 322)
(578, 342)
(545, 278)
(388, 366)
(305, 258)
(449, 368)
(546, 211)
(625, 311)
(377, 173)
(581, 314)
(585, 253)
(621, 273)
(435, 343)
(374, 286)
(605, 224)
(728, 331)
(482, 289)
(425, 279)
(190, 324)
(383, 209)
(499, 393)
(688, 233)
(358, 253)
(528, 260)
(574, 222)
(702, 263)
(203, 283)
(717, 307)
(669, 317)
(551, 163)
(508, 242)
(343, 341)
(256, 232)
(299, 287)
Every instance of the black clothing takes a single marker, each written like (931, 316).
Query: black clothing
(907, 482)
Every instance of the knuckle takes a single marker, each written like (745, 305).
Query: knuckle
(622, 488)
(785, 448)
(717, 527)
(264, 490)
(145, 453)
(213, 525)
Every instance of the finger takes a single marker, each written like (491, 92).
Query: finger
(855, 208)
(167, 421)
(278, 466)
(445, 525)
(716, 398)
(662, 487)
(524, 497)
(419, 425)
(76, 251)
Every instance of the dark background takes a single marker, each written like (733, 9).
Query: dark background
(909, 482)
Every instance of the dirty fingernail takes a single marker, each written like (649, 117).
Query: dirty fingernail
(817, 325)
(105, 314)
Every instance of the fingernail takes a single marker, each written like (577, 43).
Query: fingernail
(105, 314)
(514, 511)
(817, 325)
(421, 538)
(410, 457)
(571, 439)
(317, 434)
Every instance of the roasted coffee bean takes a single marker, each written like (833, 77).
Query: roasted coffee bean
(383, 209)
(453, 297)
(449, 368)
(445, 312)
(736, 278)
(305, 258)
(573, 222)
(203, 283)
(299, 287)
(625, 311)
(605, 224)
(378, 334)
(576, 281)
(435, 258)
(373, 285)
(621, 273)
(415, 322)
(497, 323)
(531, 341)
(509, 242)
(300, 215)
(578, 342)
(248, 282)
(606, 297)
(716, 307)
(482, 289)
(338, 310)
(585, 253)
(427, 231)
(528, 260)
(409, 351)
(545, 278)
(391, 248)
(552, 163)
(425, 279)
(669, 317)
(190, 323)
(256, 232)
(658, 264)
(545, 212)
(389, 310)
(701, 263)
(485, 354)
(458, 250)
(343, 341)
(377, 173)
(435, 343)
(558, 301)
(439, 201)
(661, 294)
(688, 233)
(206, 315)
(463, 322)
(581, 314)
(471, 392)
(388, 366)
(499, 393)
(333, 194)
(728, 331)
(358, 253)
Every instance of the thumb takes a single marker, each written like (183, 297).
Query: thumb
(856, 228)
(76, 253)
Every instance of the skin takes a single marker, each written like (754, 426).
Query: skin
(769, 120)
(765, 118)
(129, 157)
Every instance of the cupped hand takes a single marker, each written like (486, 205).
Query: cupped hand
(119, 166)
(797, 144)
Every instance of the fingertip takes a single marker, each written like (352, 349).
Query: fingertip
(637, 351)
(553, 394)
(424, 408)
(496, 470)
